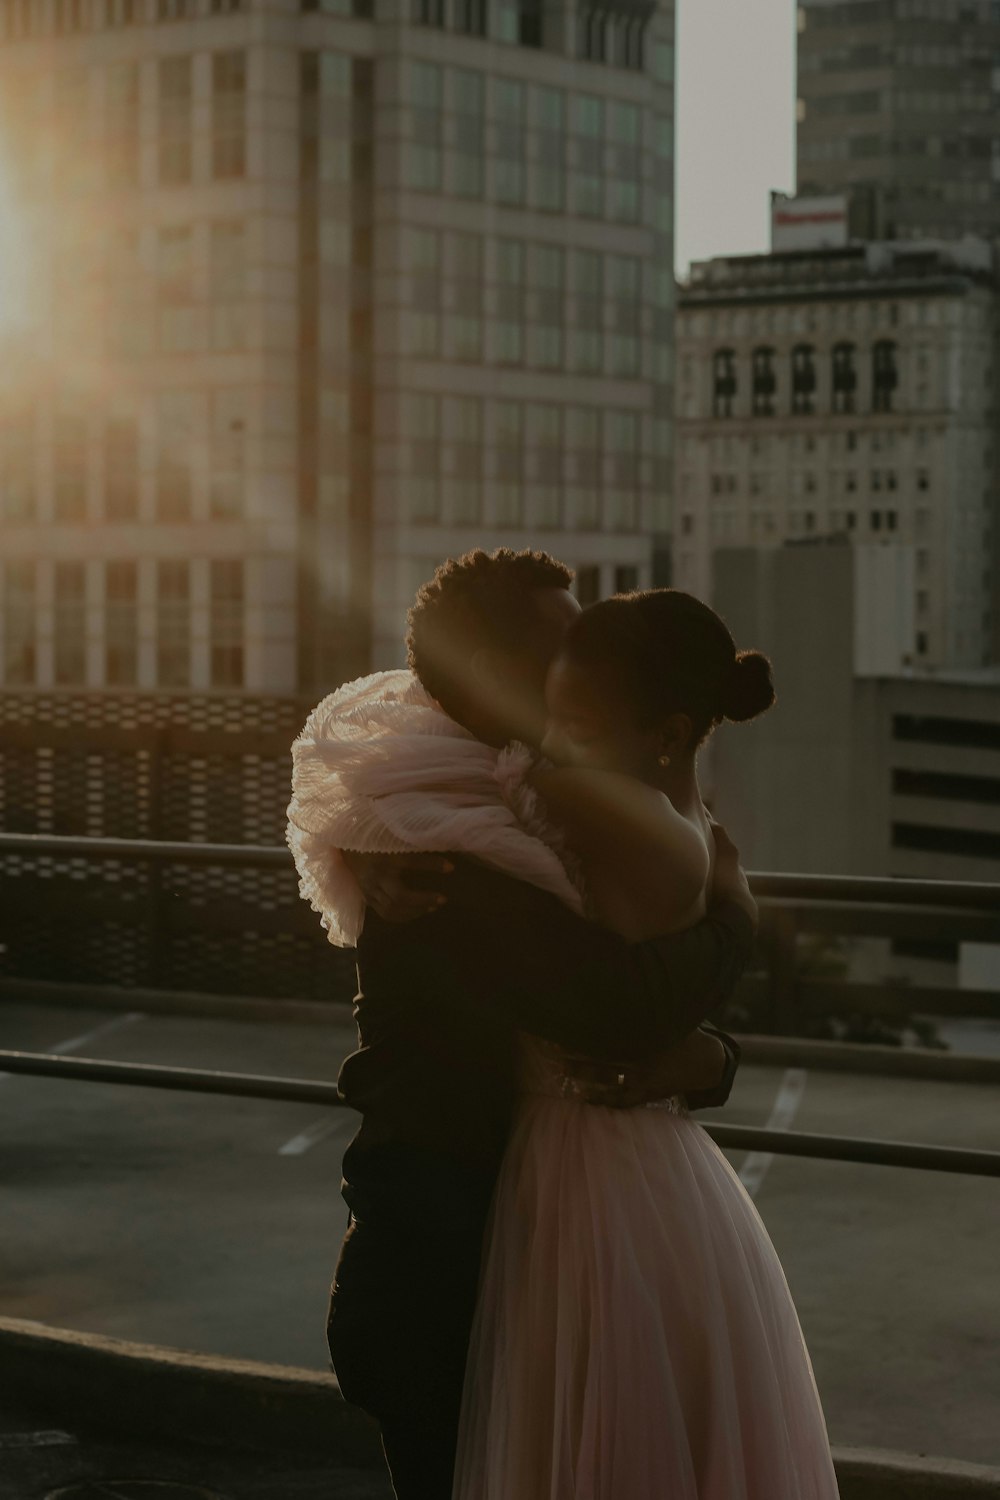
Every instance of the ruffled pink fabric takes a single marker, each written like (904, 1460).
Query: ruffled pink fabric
(635, 1337)
(380, 768)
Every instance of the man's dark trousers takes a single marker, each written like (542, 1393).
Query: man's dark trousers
(400, 1316)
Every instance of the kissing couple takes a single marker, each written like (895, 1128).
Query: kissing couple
(553, 1285)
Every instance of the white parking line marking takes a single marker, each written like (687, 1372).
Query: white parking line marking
(74, 1043)
(786, 1104)
(318, 1131)
(52, 1439)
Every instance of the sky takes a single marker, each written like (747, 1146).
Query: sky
(735, 123)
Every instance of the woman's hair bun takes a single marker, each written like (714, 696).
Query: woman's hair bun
(750, 689)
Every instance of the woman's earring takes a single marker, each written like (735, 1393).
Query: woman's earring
(664, 761)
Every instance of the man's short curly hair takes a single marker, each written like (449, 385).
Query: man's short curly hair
(475, 602)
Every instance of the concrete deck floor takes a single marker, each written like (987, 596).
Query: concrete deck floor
(212, 1224)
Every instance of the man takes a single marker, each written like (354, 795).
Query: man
(440, 1001)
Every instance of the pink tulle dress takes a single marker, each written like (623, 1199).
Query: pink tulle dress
(635, 1338)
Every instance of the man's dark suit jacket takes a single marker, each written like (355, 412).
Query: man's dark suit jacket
(440, 1003)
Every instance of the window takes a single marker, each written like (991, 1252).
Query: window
(423, 415)
(17, 464)
(173, 624)
(510, 141)
(121, 469)
(464, 418)
(947, 786)
(622, 476)
(427, 94)
(70, 623)
(465, 322)
(468, 94)
(588, 584)
(229, 98)
(227, 284)
(723, 382)
(530, 23)
(550, 166)
(588, 179)
(507, 488)
(180, 325)
(70, 456)
(228, 455)
(764, 382)
(626, 578)
(424, 317)
(226, 622)
(971, 843)
(544, 441)
(626, 163)
(545, 331)
(845, 378)
(175, 446)
(428, 12)
(19, 623)
(174, 120)
(884, 377)
(470, 17)
(510, 301)
(120, 623)
(582, 426)
(588, 287)
(624, 288)
(121, 123)
(803, 380)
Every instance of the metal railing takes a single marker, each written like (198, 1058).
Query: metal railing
(227, 918)
(860, 1149)
(797, 902)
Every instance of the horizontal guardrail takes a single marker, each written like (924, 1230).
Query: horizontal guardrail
(861, 1149)
(969, 895)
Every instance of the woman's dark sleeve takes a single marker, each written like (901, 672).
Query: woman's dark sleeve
(518, 951)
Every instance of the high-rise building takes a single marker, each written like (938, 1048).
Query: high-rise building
(849, 393)
(320, 294)
(898, 102)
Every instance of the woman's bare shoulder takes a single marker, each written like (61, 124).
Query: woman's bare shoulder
(606, 812)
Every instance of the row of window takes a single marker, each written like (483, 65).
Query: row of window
(803, 382)
(806, 482)
(602, 179)
(20, 617)
(186, 453)
(164, 307)
(851, 14)
(21, 19)
(596, 330)
(24, 118)
(879, 440)
(605, 33)
(809, 520)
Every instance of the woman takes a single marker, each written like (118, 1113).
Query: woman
(635, 1338)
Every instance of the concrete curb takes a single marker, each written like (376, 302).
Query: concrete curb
(150, 1391)
(154, 1392)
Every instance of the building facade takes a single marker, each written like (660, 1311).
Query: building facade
(861, 768)
(898, 103)
(849, 393)
(315, 296)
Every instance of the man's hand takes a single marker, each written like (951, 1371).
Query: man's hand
(729, 882)
(694, 1066)
(400, 887)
